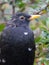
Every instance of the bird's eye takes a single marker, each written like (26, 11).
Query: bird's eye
(22, 17)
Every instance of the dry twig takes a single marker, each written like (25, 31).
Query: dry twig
(40, 12)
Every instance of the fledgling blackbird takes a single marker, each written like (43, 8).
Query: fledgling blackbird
(17, 45)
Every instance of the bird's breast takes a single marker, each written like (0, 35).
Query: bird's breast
(21, 35)
(17, 35)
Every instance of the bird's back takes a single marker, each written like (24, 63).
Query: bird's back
(17, 46)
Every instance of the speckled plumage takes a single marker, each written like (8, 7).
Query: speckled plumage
(16, 47)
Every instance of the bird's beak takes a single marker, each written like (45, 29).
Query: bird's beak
(34, 17)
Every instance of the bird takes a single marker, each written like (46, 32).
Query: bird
(17, 44)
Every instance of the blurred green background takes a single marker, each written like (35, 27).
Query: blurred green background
(39, 26)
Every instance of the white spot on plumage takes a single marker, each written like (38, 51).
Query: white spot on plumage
(3, 61)
(29, 49)
(25, 33)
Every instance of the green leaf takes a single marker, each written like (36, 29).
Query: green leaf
(2, 27)
(21, 4)
(37, 39)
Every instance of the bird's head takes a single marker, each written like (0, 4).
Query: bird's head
(22, 19)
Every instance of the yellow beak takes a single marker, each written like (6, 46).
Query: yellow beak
(34, 17)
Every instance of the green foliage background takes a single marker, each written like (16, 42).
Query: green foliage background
(39, 26)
